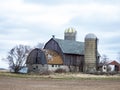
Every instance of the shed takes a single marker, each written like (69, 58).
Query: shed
(116, 64)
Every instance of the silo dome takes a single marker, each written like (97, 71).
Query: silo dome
(70, 30)
(90, 36)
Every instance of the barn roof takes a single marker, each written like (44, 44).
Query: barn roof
(44, 56)
(70, 46)
(114, 63)
(36, 56)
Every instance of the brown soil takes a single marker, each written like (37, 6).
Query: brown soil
(12, 83)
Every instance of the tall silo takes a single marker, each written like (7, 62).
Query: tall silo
(70, 34)
(90, 62)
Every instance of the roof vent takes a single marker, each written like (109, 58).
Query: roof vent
(53, 36)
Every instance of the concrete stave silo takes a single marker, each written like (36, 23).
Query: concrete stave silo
(90, 62)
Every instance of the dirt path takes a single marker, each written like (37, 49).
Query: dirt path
(10, 83)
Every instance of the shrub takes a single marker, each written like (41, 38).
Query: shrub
(60, 70)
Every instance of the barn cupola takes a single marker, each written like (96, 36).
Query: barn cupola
(70, 34)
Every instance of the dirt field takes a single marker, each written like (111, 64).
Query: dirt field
(13, 83)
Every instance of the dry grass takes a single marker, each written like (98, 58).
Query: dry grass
(68, 81)
(63, 76)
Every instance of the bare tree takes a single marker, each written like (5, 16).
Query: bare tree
(39, 45)
(104, 59)
(17, 57)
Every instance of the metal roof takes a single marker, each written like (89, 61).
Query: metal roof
(70, 46)
(36, 56)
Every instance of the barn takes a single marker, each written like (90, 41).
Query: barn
(116, 65)
(36, 61)
(67, 53)
(43, 60)
(72, 52)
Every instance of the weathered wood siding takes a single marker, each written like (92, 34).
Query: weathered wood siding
(36, 56)
(74, 60)
(53, 45)
(71, 59)
(68, 59)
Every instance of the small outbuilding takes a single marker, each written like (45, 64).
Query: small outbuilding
(116, 65)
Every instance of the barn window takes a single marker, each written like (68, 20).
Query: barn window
(52, 65)
(36, 61)
(36, 67)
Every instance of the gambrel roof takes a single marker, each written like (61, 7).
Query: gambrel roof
(71, 46)
(36, 56)
(44, 56)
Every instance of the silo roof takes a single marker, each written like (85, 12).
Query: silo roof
(90, 36)
(70, 30)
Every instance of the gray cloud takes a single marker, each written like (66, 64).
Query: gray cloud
(54, 2)
(106, 31)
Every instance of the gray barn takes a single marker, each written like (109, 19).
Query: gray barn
(73, 52)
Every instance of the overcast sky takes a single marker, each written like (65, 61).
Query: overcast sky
(29, 22)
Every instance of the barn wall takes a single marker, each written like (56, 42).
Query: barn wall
(74, 62)
(55, 67)
(37, 68)
(53, 45)
(72, 59)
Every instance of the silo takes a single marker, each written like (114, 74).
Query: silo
(90, 62)
(70, 34)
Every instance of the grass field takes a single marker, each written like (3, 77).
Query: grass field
(68, 81)
(63, 76)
